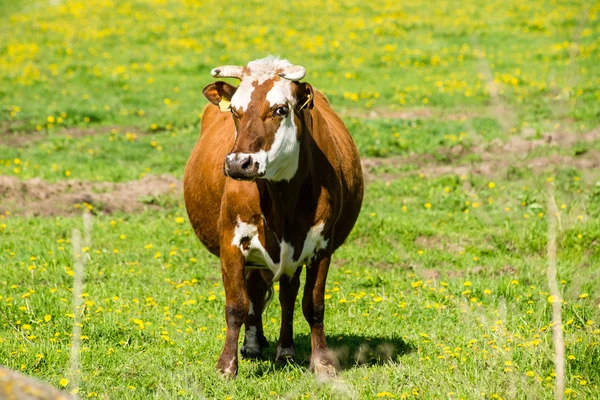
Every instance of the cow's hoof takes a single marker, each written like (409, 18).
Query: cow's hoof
(285, 355)
(263, 342)
(249, 352)
(227, 368)
(323, 366)
(324, 370)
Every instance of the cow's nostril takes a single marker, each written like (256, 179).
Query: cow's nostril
(247, 162)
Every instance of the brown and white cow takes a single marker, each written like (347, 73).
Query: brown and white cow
(273, 183)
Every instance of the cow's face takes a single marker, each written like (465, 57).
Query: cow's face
(265, 109)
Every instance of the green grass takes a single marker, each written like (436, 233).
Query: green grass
(141, 63)
(456, 294)
(441, 289)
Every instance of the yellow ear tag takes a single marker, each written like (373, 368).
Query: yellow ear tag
(224, 105)
(305, 103)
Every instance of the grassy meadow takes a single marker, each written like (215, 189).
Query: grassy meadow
(474, 121)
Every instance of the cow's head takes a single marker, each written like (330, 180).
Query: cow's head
(265, 108)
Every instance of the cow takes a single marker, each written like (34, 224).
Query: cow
(274, 183)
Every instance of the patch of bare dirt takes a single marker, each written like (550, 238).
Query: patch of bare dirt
(453, 273)
(588, 160)
(496, 158)
(37, 197)
(521, 145)
(409, 114)
(439, 242)
(24, 139)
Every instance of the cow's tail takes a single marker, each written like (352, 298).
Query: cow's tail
(268, 296)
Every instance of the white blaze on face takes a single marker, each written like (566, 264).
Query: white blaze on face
(282, 157)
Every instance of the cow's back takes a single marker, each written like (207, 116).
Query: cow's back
(204, 180)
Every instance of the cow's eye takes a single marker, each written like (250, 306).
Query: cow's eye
(281, 111)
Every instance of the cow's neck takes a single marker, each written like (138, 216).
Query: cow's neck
(285, 194)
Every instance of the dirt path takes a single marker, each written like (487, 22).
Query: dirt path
(25, 139)
(410, 114)
(496, 158)
(36, 197)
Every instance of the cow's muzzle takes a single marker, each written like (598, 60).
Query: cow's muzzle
(242, 166)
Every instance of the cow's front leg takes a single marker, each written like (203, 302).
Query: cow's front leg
(236, 308)
(288, 291)
(313, 307)
(254, 340)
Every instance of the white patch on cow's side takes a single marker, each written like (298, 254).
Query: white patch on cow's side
(287, 266)
(314, 242)
(246, 238)
(243, 95)
(242, 231)
(251, 345)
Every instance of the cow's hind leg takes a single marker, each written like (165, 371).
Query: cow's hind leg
(313, 307)
(259, 293)
(288, 292)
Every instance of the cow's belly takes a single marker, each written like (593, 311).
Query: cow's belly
(251, 242)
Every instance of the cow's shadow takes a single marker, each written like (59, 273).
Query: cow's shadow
(349, 351)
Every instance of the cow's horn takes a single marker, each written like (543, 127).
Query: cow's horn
(293, 72)
(228, 71)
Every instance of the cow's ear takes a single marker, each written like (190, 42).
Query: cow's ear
(219, 93)
(305, 96)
